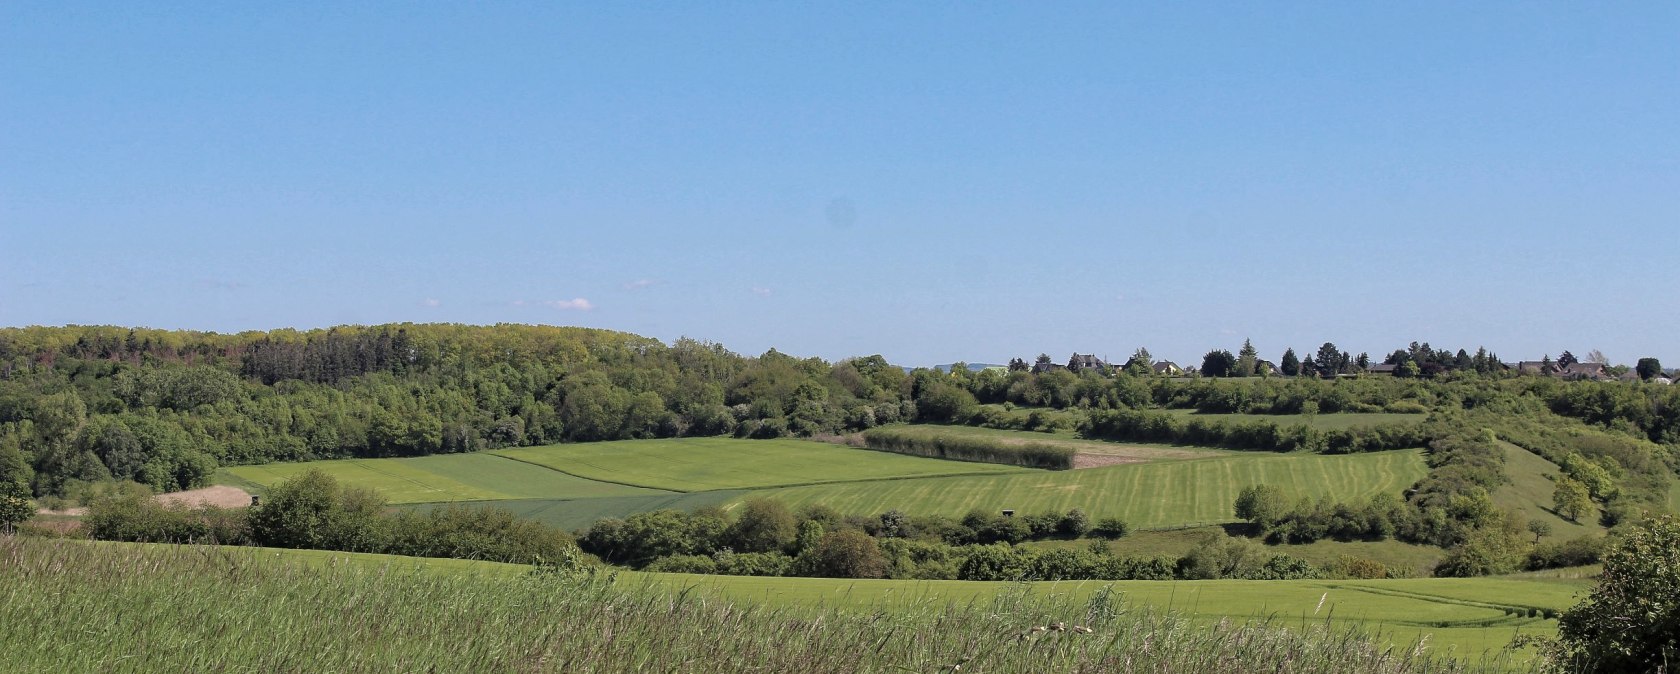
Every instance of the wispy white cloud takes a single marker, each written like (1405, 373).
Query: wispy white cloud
(517, 303)
(761, 291)
(431, 303)
(578, 303)
(640, 283)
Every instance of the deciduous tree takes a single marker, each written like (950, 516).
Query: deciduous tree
(1571, 498)
(764, 526)
(14, 506)
(1648, 368)
(1218, 363)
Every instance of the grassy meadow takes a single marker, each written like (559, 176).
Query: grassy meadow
(702, 464)
(1529, 493)
(1147, 495)
(287, 610)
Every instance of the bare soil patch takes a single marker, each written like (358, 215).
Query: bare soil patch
(1088, 456)
(1083, 460)
(221, 496)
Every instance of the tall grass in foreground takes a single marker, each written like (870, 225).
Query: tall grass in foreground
(920, 442)
(78, 607)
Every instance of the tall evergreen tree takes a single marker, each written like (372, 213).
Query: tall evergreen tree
(1290, 364)
(1248, 360)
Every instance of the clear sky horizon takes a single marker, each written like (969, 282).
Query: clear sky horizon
(928, 181)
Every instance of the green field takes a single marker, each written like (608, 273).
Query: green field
(702, 464)
(1320, 421)
(1147, 495)
(443, 477)
(616, 479)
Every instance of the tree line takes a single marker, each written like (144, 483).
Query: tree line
(83, 405)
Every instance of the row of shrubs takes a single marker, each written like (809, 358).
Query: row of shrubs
(765, 526)
(911, 441)
(313, 512)
(1131, 425)
(853, 554)
(767, 539)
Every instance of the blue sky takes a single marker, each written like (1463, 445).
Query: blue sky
(930, 181)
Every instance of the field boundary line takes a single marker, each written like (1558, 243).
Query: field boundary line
(1441, 599)
(592, 479)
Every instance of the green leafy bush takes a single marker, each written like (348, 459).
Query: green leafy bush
(1631, 621)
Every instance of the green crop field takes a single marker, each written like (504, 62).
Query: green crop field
(1319, 421)
(701, 464)
(572, 485)
(1147, 495)
(443, 477)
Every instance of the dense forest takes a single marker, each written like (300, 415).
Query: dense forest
(82, 405)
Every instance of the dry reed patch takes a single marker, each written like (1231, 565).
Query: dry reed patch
(1083, 460)
(220, 496)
